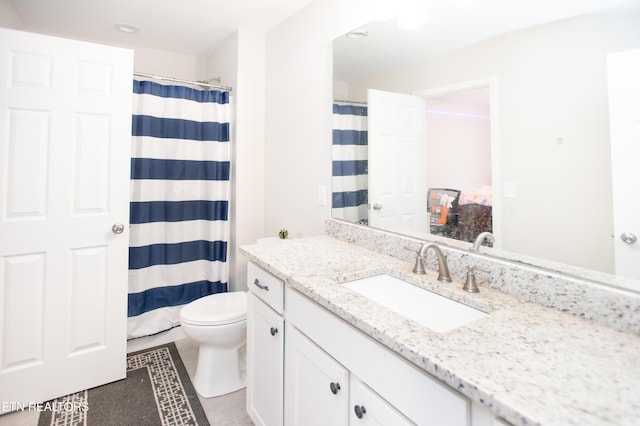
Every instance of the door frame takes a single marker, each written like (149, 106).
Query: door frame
(623, 88)
(490, 83)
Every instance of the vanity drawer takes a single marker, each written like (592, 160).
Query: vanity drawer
(266, 286)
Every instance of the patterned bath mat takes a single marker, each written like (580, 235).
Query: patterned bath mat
(157, 391)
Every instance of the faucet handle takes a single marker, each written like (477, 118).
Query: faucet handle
(470, 284)
(419, 266)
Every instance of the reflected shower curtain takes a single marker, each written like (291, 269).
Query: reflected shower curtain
(180, 169)
(349, 181)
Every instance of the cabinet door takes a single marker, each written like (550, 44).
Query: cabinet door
(367, 408)
(265, 363)
(316, 385)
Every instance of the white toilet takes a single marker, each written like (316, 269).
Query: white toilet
(219, 324)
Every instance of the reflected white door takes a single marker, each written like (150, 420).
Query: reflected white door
(397, 162)
(65, 131)
(624, 116)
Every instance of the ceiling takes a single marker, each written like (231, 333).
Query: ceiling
(193, 27)
(196, 27)
(449, 25)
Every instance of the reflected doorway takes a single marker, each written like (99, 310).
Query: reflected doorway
(459, 162)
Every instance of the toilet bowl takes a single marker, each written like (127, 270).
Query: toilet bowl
(218, 323)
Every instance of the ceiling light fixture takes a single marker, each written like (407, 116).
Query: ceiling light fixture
(359, 33)
(128, 28)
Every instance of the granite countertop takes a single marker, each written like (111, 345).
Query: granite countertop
(529, 364)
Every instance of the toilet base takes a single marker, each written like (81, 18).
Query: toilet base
(220, 372)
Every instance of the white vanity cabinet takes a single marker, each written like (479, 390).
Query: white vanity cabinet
(306, 366)
(321, 391)
(381, 386)
(265, 347)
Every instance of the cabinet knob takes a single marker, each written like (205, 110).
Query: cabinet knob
(335, 387)
(360, 411)
(273, 331)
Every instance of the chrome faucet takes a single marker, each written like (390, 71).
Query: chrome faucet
(480, 239)
(443, 269)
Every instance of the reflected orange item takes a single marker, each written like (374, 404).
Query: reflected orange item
(439, 215)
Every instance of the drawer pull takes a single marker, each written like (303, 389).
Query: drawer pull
(273, 331)
(360, 411)
(335, 387)
(260, 286)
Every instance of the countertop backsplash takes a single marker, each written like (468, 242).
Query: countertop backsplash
(584, 298)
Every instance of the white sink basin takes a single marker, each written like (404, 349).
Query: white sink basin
(422, 306)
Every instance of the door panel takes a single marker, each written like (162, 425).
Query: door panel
(88, 290)
(397, 158)
(65, 131)
(27, 164)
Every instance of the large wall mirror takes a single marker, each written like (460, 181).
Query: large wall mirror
(516, 131)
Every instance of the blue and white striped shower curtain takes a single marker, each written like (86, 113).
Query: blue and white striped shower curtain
(350, 163)
(180, 170)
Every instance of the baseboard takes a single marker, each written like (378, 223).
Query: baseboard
(141, 343)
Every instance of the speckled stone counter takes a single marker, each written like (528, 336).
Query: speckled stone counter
(528, 363)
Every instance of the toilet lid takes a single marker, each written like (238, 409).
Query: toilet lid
(216, 309)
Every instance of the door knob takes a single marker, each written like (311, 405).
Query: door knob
(628, 237)
(117, 228)
(377, 206)
(335, 387)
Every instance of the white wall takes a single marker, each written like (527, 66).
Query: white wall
(458, 144)
(562, 189)
(149, 61)
(247, 204)
(8, 16)
(163, 63)
(298, 115)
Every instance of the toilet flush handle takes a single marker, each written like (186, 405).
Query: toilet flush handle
(261, 286)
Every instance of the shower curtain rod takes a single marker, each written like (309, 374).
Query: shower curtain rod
(177, 80)
(349, 102)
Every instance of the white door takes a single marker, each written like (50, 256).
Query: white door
(65, 131)
(397, 162)
(624, 117)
